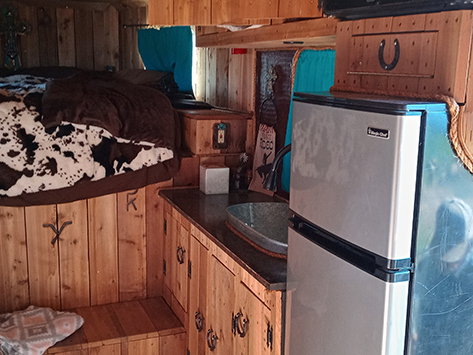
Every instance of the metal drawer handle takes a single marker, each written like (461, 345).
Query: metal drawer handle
(211, 339)
(180, 255)
(199, 321)
(397, 53)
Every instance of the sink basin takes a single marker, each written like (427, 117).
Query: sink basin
(263, 223)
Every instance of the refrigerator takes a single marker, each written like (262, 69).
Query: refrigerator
(380, 230)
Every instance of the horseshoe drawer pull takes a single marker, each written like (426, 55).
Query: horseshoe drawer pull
(199, 321)
(211, 339)
(180, 255)
(397, 53)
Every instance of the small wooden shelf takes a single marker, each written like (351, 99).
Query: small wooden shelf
(320, 32)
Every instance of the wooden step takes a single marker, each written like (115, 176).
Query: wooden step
(135, 328)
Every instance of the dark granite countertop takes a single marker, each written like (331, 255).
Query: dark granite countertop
(208, 214)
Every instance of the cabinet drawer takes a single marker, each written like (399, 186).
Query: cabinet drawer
(425, 54)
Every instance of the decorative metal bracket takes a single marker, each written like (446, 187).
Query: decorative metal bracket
(131, 201)
(58, 233)
(11, 29)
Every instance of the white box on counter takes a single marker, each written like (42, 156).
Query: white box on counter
(214, 179)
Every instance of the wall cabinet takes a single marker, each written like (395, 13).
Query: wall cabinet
(420, 56)
(299, 8)
(228, 311)
(240, 12)
(424, 54)
(218, 12)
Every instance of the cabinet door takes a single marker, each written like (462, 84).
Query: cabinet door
(221, 295)
(180, 257)
(199, 259)
(169, 228)
(160, 12)
(192, 12)
(300, 8)
(251, 324)
(240, 12)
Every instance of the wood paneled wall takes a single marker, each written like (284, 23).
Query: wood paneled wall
(85, 35)
(225, 79)
(109, 253)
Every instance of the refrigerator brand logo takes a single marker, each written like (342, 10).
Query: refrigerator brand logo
(378, 132)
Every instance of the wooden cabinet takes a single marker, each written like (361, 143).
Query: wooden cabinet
(192, 11)
(424, 54)
(202, 131)
(218, 12)
(299, 8)
(228, 310)
(240, 12)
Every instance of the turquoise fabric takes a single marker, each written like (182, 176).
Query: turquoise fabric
(314, 72)
(168, 49)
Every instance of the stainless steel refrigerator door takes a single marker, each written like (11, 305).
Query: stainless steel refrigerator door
(333, 308)
(353, 173)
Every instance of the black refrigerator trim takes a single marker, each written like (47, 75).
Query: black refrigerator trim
(365, 102)
(358, 9)
(382, 268)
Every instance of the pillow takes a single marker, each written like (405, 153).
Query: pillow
(35, 329)
(160, 80)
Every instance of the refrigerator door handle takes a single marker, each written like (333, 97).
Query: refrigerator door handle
(380, 267)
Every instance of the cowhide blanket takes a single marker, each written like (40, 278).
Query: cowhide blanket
(54, 134)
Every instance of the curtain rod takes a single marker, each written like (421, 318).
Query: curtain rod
(138, 25)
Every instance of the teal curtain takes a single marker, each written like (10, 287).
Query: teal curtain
(314, 72)
(168, 49)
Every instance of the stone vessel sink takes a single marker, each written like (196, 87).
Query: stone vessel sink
(263, 223)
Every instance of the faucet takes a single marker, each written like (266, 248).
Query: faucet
(270, 181)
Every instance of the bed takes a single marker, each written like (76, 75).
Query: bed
(78, 136)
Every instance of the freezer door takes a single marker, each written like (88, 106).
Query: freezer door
(353, 173)
(334, 308)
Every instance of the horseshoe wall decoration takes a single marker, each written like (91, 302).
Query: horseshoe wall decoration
(397, 53)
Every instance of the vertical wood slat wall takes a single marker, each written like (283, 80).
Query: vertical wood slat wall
(224, 79)
(82, 36)
(102, 257)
